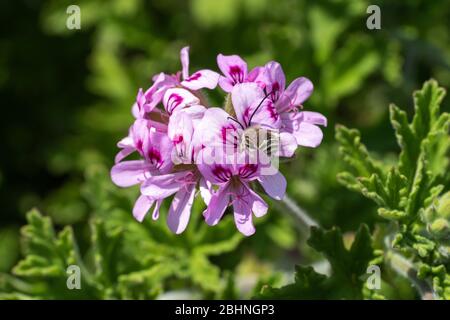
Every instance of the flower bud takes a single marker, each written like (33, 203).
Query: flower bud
(438, 217)
(439, 227)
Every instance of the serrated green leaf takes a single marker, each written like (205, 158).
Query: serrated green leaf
(347, 268)
(308, 285)
(427, 103)
(144, 284)
(47, 254)
(344, 263)
(355, 153)
(204, 273)
(410, 191)
(373, 188)
(106, 248)
(406, 140)
(391, 214)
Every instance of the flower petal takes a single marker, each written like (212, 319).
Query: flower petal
(206, 190)
(157, 150)
(288, 144)
(243, 216)
(313, 118)
(155, 214)
(266, 116)
(246, 169)
(184, 57)
(177, 98)
(226, 84)
(276, 81)
(246, 97)
(180, 209)
(216, 173)
(146, 102)
(299, 90)
(180, 131)
(256, 74)
(259, 206)
(217, 205)
(128, 173)
(123, 154)
(233, 67)
(128, 147)
(162, 186)
(141, 207)
(181, 123)
(274, 185)
(139, 132)
(308, 135)
(126, 142)
(201, 79)
(216, 132)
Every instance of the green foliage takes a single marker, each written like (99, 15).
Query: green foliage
(9, 248)
(407, 193)
(123, 259)
(46, 254)
(348, 268)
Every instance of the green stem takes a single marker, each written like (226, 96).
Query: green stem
(87, 275)
(406, 269)
(305, 222)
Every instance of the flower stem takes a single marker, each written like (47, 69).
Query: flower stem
(405, 268)
(305, 221)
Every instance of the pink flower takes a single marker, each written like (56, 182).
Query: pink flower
(303, 125)
(146, 102)
(155, 149)
(183, 185)
(252, 107)
(198, 80)
(233, 181)
(155, 172)
(181, 131)
(234, 70)
(178, 98)
(255, 115)
(184, 181)
(186, 147)
(143, 138)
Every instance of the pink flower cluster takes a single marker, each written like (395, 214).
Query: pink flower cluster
(186, 147)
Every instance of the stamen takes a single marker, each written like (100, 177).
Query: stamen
(231, 118)
(259, 105)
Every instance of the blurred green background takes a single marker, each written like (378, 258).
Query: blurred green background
(66, 98)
